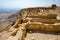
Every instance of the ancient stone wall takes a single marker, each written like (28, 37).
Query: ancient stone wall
(49, 27)
(37, 12)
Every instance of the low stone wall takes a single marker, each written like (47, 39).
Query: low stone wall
(49, 21)
(37, 13)
(25, 20)
(52, 28)
(18, 21)
(17, 33)
(48, 16)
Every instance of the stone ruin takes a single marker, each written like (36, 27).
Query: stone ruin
(34, 19)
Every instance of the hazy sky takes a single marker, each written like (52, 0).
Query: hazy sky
(27, 3)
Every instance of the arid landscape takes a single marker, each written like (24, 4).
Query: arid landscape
(7, 19)
(39, 23)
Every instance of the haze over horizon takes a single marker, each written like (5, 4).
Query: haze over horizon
(11, 4)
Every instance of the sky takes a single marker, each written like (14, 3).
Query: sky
(27, 3)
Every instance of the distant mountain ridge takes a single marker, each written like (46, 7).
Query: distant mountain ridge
(8, 10)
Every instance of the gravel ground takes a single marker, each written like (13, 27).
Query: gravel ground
(42, 36)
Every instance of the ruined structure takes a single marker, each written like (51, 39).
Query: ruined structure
(34, 19)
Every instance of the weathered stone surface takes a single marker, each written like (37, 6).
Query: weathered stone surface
(48, 21)
(19, 21)
(14, 32)
(37, 13)
(53, 28)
